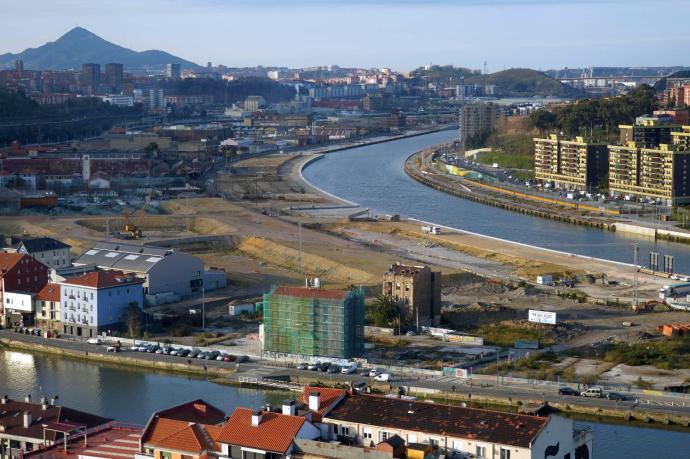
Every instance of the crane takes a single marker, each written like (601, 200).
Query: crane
(129, 229)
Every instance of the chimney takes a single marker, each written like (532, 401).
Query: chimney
(315, 401)
(27, 419)
(54, 400)
(4, 399)
(289, 408)
(27, 399)
(44, 403)
(256, 418)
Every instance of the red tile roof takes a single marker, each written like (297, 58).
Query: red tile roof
(305, 292)
(192, 439)
(329, 398)
(111, 443)
(51, 292)
(103, 279)
(275, 433)
(9, 261)
(161, 428)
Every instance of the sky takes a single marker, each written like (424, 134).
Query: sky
(400, 34)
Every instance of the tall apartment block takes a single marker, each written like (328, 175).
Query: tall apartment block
(113, 76)
(648, 130)
(172, 71)
(313, 322)
(417, 289)
(577, 164)
(655, 172)
(90, 77)
(480, 117)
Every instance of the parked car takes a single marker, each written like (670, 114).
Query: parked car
(334, 369)
(302, 366)
(152, 348)
(359, 386)
(567, 391)
(183, 352)
(593, 392)
(134, 348)
(201, 355)
(221, 357)
(160, 350)
(229, 358)
(313, 366)
(94, 341)
(111, 349)
(193, 353)
(324, 366)
(349, 368)
(410, 333)
(375, 372)
(383, 377)
(167, 350)
(212, 355)
(243, 359)
(175, 351)
(616, 396)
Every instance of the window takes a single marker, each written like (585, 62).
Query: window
(92, 295)
(166, 455)
(383, 436)
(433, 441)
(505, 453)
(366, 434)
(344, 430)
(481, 451)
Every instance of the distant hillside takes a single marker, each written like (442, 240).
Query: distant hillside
(79, 46)
(524, 83)
(661, 84)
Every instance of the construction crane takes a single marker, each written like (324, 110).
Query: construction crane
(129, 229)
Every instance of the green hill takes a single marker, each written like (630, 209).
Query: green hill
(524, 83)
(661, 84)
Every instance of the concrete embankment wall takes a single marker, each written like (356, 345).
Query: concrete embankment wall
(654, 233)
(636, 229)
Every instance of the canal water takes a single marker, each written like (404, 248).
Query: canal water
(373, 177)
(132, 394)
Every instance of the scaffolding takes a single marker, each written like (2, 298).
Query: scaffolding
(314, 322)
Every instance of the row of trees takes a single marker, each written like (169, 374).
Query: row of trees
(589, 114)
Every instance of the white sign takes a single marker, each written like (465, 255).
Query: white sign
(542, 317)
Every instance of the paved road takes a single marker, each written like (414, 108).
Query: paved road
(267, 369)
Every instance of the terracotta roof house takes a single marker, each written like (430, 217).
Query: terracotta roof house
(24, 425)
(370, 420)
(263, 434)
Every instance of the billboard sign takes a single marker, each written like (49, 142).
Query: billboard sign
(542, 317)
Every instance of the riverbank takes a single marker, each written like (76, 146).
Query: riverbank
(417, 169)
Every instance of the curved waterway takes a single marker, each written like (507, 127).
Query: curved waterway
(132, 394)
(373, 176)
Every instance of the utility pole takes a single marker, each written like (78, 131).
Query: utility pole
(203, 308)
(299, 253)
(636, 248)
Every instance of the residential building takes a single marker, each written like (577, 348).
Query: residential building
(259, 434)
(98, 302)
(681, 117)
(578, 164)
(370, 420)
(657, 173)
(172, 71)
(163, 270)
(480, 117)
(313, 322)
(30, 426)
(48, 307)
(118, 100)
(20, 275)
(49, 251)
(153, 99)
(90, 77)
(113, 76)
(417, 289)
(111, 441)
(648, 130)
(185, 431)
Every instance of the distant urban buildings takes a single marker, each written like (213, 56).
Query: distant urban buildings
(114, 76)
(309, 321)
(91, 77)
(172, 71)
(480, 117)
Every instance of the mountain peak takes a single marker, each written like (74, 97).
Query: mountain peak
(78, 33)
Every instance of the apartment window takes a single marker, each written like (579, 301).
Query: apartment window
(166, 455)
(383, 436)
(433, 441)
(344, 430)
(481, 451)
(366, 434)
(92, 295)
(505, 453)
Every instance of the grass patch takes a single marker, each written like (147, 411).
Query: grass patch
(665, 354)
(506, 335)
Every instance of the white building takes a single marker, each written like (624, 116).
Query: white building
(98, 301)
(163, 270)
(20, 307)
(50, 252)
(118, 100)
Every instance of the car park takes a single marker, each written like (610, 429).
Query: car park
(567, 391)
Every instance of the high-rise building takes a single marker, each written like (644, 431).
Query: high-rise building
(313, 322)
(480, 117)
(648, 130)
(651, 172)
(19, 66)
(90, 77)
(577, 164)
(172, 71)
(113, 76)
(154, 99)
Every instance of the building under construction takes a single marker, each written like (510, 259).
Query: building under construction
(314, 322)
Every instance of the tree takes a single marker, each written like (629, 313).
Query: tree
(134, 317)
(543, 120)
(384, 311)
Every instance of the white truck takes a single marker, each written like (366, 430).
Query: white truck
(431, 229)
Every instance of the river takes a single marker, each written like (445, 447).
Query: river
(132, 394)
(373, 177)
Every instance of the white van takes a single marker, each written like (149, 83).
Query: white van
(593, 392)
(383, 377)
(349, 368)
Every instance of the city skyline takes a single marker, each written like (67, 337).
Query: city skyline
(504, 33)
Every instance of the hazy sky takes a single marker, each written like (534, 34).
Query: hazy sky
(402, 34)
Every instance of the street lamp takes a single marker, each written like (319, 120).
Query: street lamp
(203, 308)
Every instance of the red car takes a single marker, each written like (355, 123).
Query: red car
(229, 358)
